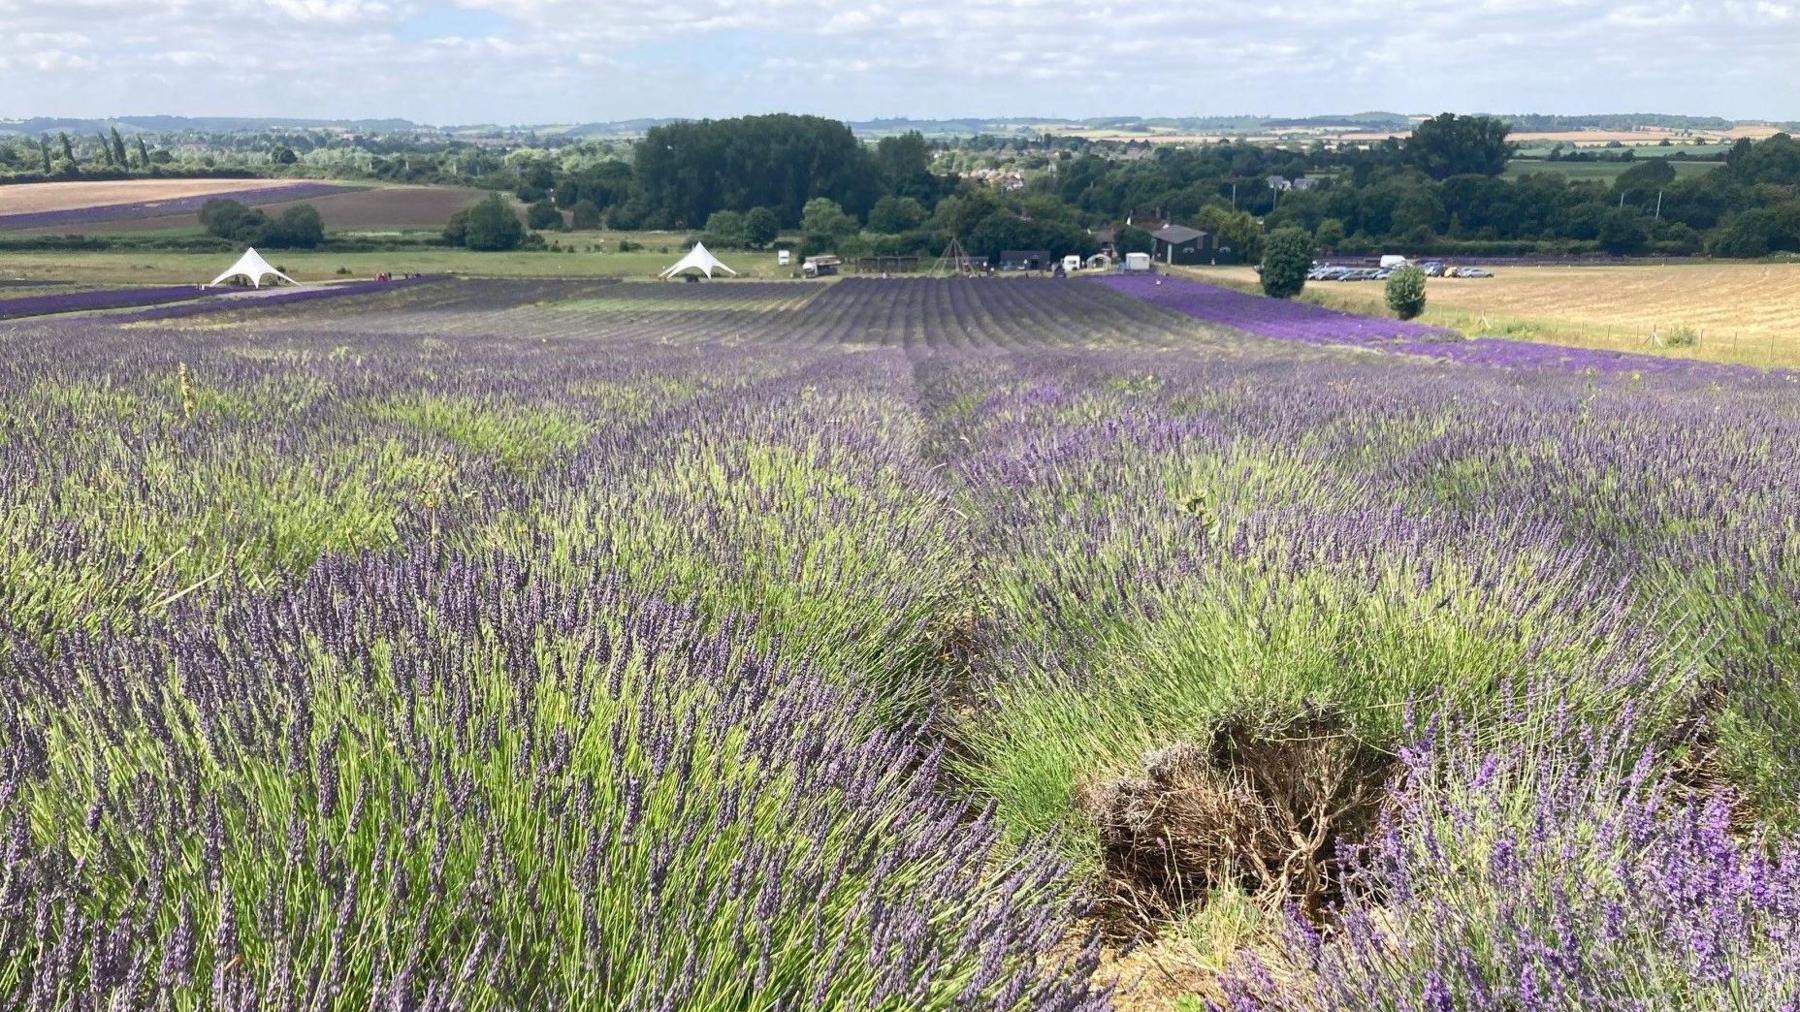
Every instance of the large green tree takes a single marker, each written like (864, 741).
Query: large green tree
(892, 215)
(686, 171)
(725, 228)
(823, 216)
(488, 224)
(761, 227)
(1450, 145)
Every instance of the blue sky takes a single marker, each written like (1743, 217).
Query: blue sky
(558, 61)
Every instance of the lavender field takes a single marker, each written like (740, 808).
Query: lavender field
(895, 645)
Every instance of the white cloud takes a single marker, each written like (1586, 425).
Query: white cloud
(564, 60)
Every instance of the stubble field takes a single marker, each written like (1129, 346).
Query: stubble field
(885, 644)
(63, 196)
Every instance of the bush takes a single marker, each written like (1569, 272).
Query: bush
(298, 227)
(823, 216)
(231, 219)
(761, 227)
(543, 215)
(724, 228)
(1287, 257)
(486, 225)
(892, 215)
(1406, 292)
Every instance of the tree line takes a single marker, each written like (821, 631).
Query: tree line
(744, 181)
(1442, 189)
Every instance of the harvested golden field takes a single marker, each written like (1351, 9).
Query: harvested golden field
(27, 198)
(1747, 313)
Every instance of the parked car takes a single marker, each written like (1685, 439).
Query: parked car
(1473, 272)
(1433, 268)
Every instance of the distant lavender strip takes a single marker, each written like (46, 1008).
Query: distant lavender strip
(105, 298)
(1277, 318)
(173, 205)
(302, 294)
(1299, 321)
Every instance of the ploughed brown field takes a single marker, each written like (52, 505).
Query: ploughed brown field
(26, 198)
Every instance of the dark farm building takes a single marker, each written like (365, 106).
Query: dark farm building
(1179, 244)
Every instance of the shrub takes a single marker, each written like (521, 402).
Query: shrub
(1287, 257)
(298, 227)
(724, 228)
(1406, 292)
(823, 216)
(543, 215)
(892, 215)
(231, 219)
(488, 224)
(761, 227)
(1681, 337)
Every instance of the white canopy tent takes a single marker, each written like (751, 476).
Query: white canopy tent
(698, 259)
(253, 268)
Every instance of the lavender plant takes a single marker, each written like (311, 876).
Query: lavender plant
(1560, 874)
(488, 644)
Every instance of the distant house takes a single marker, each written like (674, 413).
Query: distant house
(1179, 244)
(1304, 183)
(1108, 238)
(1024, 259)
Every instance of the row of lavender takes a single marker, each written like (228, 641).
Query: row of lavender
(197, 299)
(139, 209)
(455, 666)
(94, 299)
